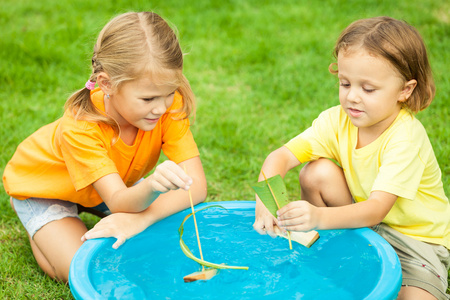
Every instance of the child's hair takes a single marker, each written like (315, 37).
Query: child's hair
(130, 46)
(401, 45)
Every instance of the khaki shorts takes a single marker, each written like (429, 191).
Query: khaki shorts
(424, 265)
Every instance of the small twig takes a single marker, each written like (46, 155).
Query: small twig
(195, 223)
(278, 205)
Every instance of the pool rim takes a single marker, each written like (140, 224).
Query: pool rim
(387, 288)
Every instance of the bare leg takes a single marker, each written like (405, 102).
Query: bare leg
(323, 184)
(414, 293)
(55, 244)
(12, 204)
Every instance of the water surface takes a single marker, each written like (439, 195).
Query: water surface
(340, 265)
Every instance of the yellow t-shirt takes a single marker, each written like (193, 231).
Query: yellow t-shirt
(401, 161)
(61, 160)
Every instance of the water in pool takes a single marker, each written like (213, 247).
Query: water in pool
(152, 265)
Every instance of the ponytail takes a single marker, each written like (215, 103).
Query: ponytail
(81, 107)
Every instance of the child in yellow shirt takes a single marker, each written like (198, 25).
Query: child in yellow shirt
(388, 176)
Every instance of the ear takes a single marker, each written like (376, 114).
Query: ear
(407, 90)
(104, 83)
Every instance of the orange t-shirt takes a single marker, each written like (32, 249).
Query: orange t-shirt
(61, 160)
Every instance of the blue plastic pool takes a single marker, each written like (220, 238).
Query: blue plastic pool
(342, 264)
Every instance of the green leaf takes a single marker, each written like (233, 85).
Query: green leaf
(279, 189)
(189, 254)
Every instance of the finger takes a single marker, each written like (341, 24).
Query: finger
(274, 232)
(187, 184)
(173, 179)
(259, 227)
(186, 178)
(95, 233)
(298, 224)
(182, 172)
(300, 227)
(277, 230)
(165, 184)
(298, 220)
(119, 242)
(159, 186)
(299, 204)
(284, 209)
(290, 216)
(184, 181)
(178, 171)
(294, 212)
(269, 225)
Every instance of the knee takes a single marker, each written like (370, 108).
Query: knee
(12, 203)
(316, 173)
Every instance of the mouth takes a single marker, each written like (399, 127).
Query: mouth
(151, 120)
(353, 112)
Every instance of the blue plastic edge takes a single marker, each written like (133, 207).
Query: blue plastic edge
(78, 284)
(391, 271)
(387, 288)
(78, 287)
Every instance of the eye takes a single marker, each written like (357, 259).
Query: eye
(148, 99)
(346, 85)
(368, 90)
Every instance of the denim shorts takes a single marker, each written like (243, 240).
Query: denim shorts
(424, 265)
(37, 212)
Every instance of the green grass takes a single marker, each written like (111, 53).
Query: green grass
(258, 68)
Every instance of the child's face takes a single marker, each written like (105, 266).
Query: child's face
(369, 91)
(140, 103)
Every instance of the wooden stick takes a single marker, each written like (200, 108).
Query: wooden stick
(203, 275)
(195, 223)
(278, 205)
(271, 191)
(304, 238)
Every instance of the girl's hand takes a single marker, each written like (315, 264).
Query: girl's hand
(169, 176)
(299, 216)
(122, 226)
(265, 223)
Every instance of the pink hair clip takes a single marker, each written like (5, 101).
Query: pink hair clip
(90, 85)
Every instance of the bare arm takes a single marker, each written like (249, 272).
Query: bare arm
(120, 198)
(279, 162)
(174, 201)
(125, 225)
(302, 216)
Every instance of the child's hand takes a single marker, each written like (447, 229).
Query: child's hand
(298, 216)
(265, 223)
(169, 176)
(122, 226)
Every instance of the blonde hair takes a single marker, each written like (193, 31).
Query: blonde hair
(130, 46)
(401, 45)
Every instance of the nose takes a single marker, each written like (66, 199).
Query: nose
(353, 95)
(160, 107)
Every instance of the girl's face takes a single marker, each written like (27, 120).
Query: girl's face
(140, 103)
(370, 91)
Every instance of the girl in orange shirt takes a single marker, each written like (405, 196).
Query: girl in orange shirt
(95, 156)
